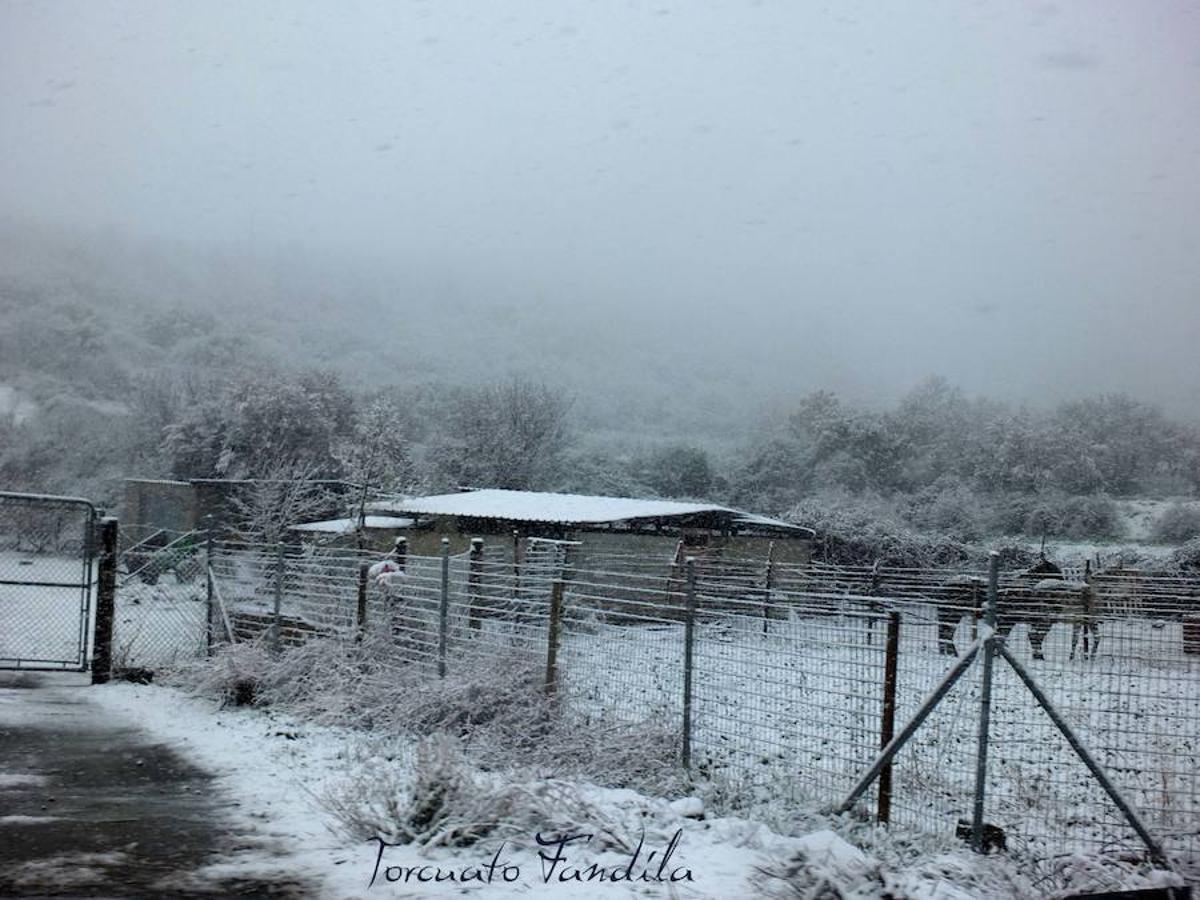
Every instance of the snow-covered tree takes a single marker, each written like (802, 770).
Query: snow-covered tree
(678, 470)
(512, 435)
(375, 455)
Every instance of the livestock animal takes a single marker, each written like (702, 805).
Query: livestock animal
(1038, 597)
(963, 595)
(386, 575)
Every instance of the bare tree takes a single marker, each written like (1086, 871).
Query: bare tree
(288, 493)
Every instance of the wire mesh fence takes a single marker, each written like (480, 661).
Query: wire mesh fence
(784, 681)
(160, 617)
(46, 575)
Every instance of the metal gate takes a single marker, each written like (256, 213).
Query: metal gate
(47, 545)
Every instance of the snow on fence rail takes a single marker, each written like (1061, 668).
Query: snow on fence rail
(790, 666)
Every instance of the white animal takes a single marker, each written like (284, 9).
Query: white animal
(386, 574)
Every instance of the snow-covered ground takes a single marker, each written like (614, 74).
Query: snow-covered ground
(794, 717)
(277, 767)
(159, 625)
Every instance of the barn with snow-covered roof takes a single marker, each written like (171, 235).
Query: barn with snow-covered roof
(601, 525)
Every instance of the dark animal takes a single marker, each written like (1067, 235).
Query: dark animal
(964, 595)
(993, 836)
(1038, 597)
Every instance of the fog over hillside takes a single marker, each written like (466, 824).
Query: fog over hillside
(378, 326)
(682, 222)
(738, 201)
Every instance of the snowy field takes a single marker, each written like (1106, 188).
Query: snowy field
(41, 624)
(794, 717)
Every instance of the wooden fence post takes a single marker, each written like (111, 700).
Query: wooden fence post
(552, 635)
(873, 591)
(768, 583)
(516, 584)
(209, 606)
(106, 601)
(887, 724)
(360, 618)
(474, 582)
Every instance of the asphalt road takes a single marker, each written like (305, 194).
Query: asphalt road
(93, 807)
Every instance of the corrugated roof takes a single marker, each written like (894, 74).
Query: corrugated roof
(563, 509)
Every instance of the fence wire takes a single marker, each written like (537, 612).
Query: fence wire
(46, 575)
(160, 618)
(790, 670)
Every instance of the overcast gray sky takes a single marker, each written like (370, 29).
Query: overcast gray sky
(850, 194)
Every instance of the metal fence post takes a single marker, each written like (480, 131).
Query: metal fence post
(516, 570)
(552, 635)
(444, 608)
(887, 724)
(1157, 854)
(106, 601)
(985, 701)
(276, 625)
(360, 617)
(209, 605)
(689, 636)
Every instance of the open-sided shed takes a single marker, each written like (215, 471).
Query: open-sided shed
(600, 524)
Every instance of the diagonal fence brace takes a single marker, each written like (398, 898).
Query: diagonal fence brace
(1157, 854)
(896, 744)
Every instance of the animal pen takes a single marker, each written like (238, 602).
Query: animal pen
(783, 681)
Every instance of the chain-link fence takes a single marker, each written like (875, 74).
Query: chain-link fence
(160, 617)
(46, 575)
(784, 681)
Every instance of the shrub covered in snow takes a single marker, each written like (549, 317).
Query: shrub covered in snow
(447, 801)
(496, 706)
(1179, 522)
(949, 507)
(1187, 557)
(1055, 515)
(234, 675)
(859, 531)
(1092, 516)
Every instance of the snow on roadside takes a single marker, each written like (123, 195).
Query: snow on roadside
(270, 763)
(276, 767)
